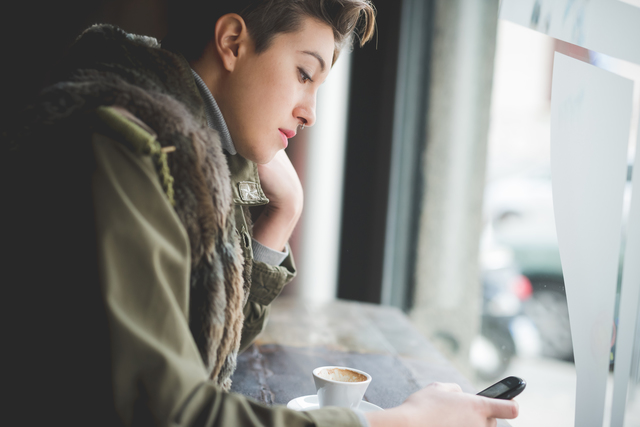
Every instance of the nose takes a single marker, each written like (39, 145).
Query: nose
(305, 111)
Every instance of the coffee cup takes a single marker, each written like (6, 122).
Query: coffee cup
(340, 386)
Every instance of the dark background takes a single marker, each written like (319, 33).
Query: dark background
(35, 34)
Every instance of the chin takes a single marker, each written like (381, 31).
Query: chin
(265, 160)
(260, 154)
(260, 158)
(263, 157)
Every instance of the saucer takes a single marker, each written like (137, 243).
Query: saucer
(308, 403)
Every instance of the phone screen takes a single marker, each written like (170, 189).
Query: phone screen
(494, 390)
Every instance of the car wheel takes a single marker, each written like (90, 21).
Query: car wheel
(548, 311)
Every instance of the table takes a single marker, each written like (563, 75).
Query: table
(302, 335)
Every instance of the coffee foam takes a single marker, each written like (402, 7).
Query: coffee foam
(343, 375)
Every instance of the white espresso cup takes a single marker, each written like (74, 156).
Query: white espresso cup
(340, 386)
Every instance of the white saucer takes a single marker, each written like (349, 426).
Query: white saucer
(308, 403)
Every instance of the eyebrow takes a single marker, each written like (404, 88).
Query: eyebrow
(317, 56)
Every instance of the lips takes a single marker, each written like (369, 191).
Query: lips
(288, 133)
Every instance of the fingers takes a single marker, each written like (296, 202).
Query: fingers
(446, 403)
(498, 408)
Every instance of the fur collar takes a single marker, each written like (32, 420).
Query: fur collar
(107, 66)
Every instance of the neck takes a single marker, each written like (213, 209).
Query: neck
(209, 68)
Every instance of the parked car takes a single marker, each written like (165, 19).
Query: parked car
(520, 211)
(505, 331)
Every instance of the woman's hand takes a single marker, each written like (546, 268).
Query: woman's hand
(445, 405)
(282, 187)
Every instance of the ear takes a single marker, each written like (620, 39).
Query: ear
(230, 36)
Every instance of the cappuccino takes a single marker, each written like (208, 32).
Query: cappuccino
(340, 386)
(343, 375)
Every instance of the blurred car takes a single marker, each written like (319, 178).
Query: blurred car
(505, 331)
(520, 211)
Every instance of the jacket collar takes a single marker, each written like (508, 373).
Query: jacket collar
(245, 182)
(214, 115)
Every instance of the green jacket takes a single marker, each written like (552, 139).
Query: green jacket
(151, 344)
(135, 311)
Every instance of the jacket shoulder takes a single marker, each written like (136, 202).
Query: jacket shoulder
(123, 126)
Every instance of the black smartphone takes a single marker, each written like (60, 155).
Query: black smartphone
(507, 388)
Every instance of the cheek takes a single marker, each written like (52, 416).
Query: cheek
(263, 98)
(269, 98)
(272, 90)
(255, 93)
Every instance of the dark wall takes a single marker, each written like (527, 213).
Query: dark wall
(35, 34)
(368, 157)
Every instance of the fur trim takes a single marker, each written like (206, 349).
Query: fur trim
(110, 67)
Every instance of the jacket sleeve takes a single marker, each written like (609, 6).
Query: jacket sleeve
(267, 281)
(143, 252)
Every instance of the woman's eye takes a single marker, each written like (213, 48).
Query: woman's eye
(304, 76)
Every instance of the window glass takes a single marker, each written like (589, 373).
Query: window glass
(525, 327)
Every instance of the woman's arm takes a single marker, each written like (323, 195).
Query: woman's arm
(281, 185)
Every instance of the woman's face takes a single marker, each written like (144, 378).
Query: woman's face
(269, 94)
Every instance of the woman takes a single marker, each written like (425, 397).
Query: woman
(142, 165)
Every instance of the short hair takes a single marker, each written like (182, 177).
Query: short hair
(191, 23)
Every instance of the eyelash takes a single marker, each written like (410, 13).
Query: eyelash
(304, 76)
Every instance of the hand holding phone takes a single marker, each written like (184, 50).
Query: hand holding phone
(507, 388)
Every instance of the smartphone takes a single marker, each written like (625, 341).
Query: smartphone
(507, 388)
